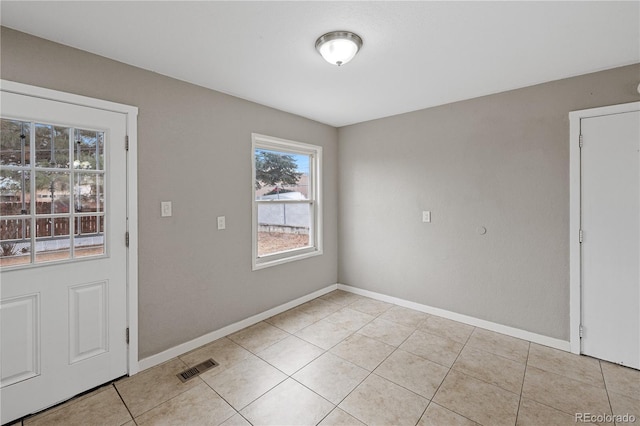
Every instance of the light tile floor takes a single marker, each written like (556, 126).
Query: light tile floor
(344, 359)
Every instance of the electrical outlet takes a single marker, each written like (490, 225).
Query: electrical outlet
(221, 222)
(165, 208)
(426, 216)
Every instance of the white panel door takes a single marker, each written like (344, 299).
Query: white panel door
(63, 259)
(610, 220)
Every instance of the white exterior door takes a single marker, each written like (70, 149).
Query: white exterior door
(63, 259)
(610, 220)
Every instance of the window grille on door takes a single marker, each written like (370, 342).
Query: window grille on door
(52, 193)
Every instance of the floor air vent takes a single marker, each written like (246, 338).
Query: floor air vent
(197, 370)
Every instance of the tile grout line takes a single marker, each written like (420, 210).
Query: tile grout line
(70, 401)
(345, 360)
(161, 403)
(379, 364)
(606, 389)
(184, 364)
(368, 375)
(445, 378)
(316, 393)
(564, 377)
(499, 356)
(316, 321)
(526, 364)
(547, 405)
(294, 334)
(326, 351)
(124, 403)
(238, 411)
(234, 408)
(436, 390)
(290, 376)
(416, 328)
(222, 398)
(569, 378)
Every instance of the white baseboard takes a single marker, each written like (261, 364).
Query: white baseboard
(183, 348)
(476, 322)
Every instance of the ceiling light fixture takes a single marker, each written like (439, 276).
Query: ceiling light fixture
(339, 47)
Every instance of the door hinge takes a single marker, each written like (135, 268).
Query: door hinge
(126, 238)
(127, 335)
(126, 143)
(580, 331)
(581, 140)
(581, 236)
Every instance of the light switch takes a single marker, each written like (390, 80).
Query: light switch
(426, 216)
(221, 222)
(165, 208)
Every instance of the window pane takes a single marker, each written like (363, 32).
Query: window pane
(56, 193)
(44, 227)
(15, 143)
(14, 242)
(15, 197)
(52, 239)
(52, 146)
(90, 225)
(89, 192)
(89, 148)
(89, 237)
(282, 227)
(53, 192)
(281, 175)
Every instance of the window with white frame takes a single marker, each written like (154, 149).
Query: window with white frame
(287, 214)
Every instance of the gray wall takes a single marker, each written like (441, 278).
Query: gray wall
(501, 162)
(194, 149)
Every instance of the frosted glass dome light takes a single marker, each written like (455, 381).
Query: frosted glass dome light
(339, 47)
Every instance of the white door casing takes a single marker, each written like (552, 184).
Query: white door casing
(605, 267)
(66, 321)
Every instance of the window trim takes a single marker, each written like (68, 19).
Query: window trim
(315, 248)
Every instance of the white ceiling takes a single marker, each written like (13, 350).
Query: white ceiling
(415, 54)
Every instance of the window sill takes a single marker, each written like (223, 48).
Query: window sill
(279, 259)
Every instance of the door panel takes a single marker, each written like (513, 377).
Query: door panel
(88, 321)
(20, 325)
(63, 276)
(610, 215)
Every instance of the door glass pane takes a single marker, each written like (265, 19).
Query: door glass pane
(14, 242)
(53, 190)
(52, 146)
(15, 197)
(89, 192)
(89, 237)
(15, 142)
(53, 241)
(89, 154)
(282, 227)
(56, 192)
(44, 227)
(281, 175)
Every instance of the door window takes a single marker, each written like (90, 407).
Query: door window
(52, 193)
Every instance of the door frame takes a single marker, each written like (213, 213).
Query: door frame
(575, 253)
(131, 113)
